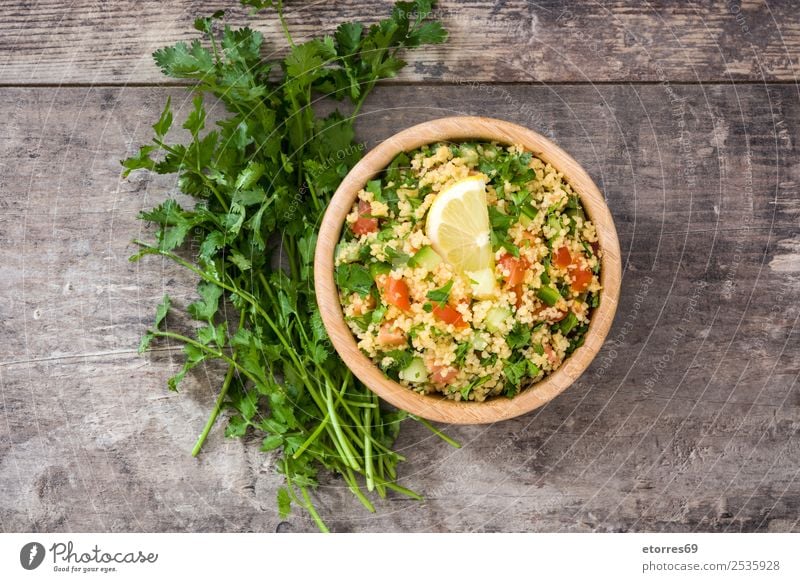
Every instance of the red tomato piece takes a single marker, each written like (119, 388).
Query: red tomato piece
(551, 355)
(395, 292)
(580, 279)
(448, 314)
(442, 375)
(518, 291)
(562, 258)
(389, 335)
(516, 268)
(361, 306)
(365, 224)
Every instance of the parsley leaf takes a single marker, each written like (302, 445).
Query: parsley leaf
(185, 61)
(208, 305)
(353, 278)
(515, 372)
(519, 337)
(441, 295)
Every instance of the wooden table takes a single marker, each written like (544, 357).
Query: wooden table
(685, 114)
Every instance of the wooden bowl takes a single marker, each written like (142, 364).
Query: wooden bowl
(436, 407)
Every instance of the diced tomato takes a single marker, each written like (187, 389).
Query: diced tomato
(448, 314)
(361, 305)
(562, 258)
(389, 335)
(518, 291)
(516, 267)
(395, 292)
(581, 278)
(551, 355)
(441, 375)
(365, 224)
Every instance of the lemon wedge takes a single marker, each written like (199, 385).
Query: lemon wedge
(459, 230)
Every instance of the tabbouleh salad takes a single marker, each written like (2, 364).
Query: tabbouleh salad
(413, 302)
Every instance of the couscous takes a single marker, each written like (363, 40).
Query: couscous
(418, 304)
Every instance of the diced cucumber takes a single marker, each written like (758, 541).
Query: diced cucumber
(576, 212)
(568, 323)
(376, 269)
(525, 220)
(479, 342)
(377, 314)
(549, 295)
(483, 282)
(425, 257)
(469, 154)
(496, 317)
(415, 371)
(554, 222)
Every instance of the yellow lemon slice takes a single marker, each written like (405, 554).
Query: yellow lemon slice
(459, 230)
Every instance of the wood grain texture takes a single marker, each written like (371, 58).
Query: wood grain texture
(687, 420)
(98, 42)
(435, 407)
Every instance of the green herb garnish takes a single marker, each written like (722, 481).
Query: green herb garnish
(441, 295)
(353, 278)
(467, 390)
(374, 186)
(461, 353)
(519, 337)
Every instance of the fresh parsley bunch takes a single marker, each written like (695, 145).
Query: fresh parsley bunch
(262, 179)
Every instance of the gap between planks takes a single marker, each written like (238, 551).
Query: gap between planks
(436, 83)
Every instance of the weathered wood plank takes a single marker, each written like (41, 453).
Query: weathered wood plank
(517, 40)
(688, 419)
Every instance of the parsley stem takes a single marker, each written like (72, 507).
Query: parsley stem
(360, 404)
(350, 479)
(279, 10)
(368, 450)
(437, 432)
(313, 512)
(380, 480)
(212, 419)
(356, 420)
(340, 443)
(205, 348)
(214, 46)
(319, 428)
(312, 437)
(213, 188)
(404, 490)
(349, 455)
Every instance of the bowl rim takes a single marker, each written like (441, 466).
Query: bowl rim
(439, 408)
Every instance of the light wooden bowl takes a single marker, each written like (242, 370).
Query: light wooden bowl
(437, 407)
